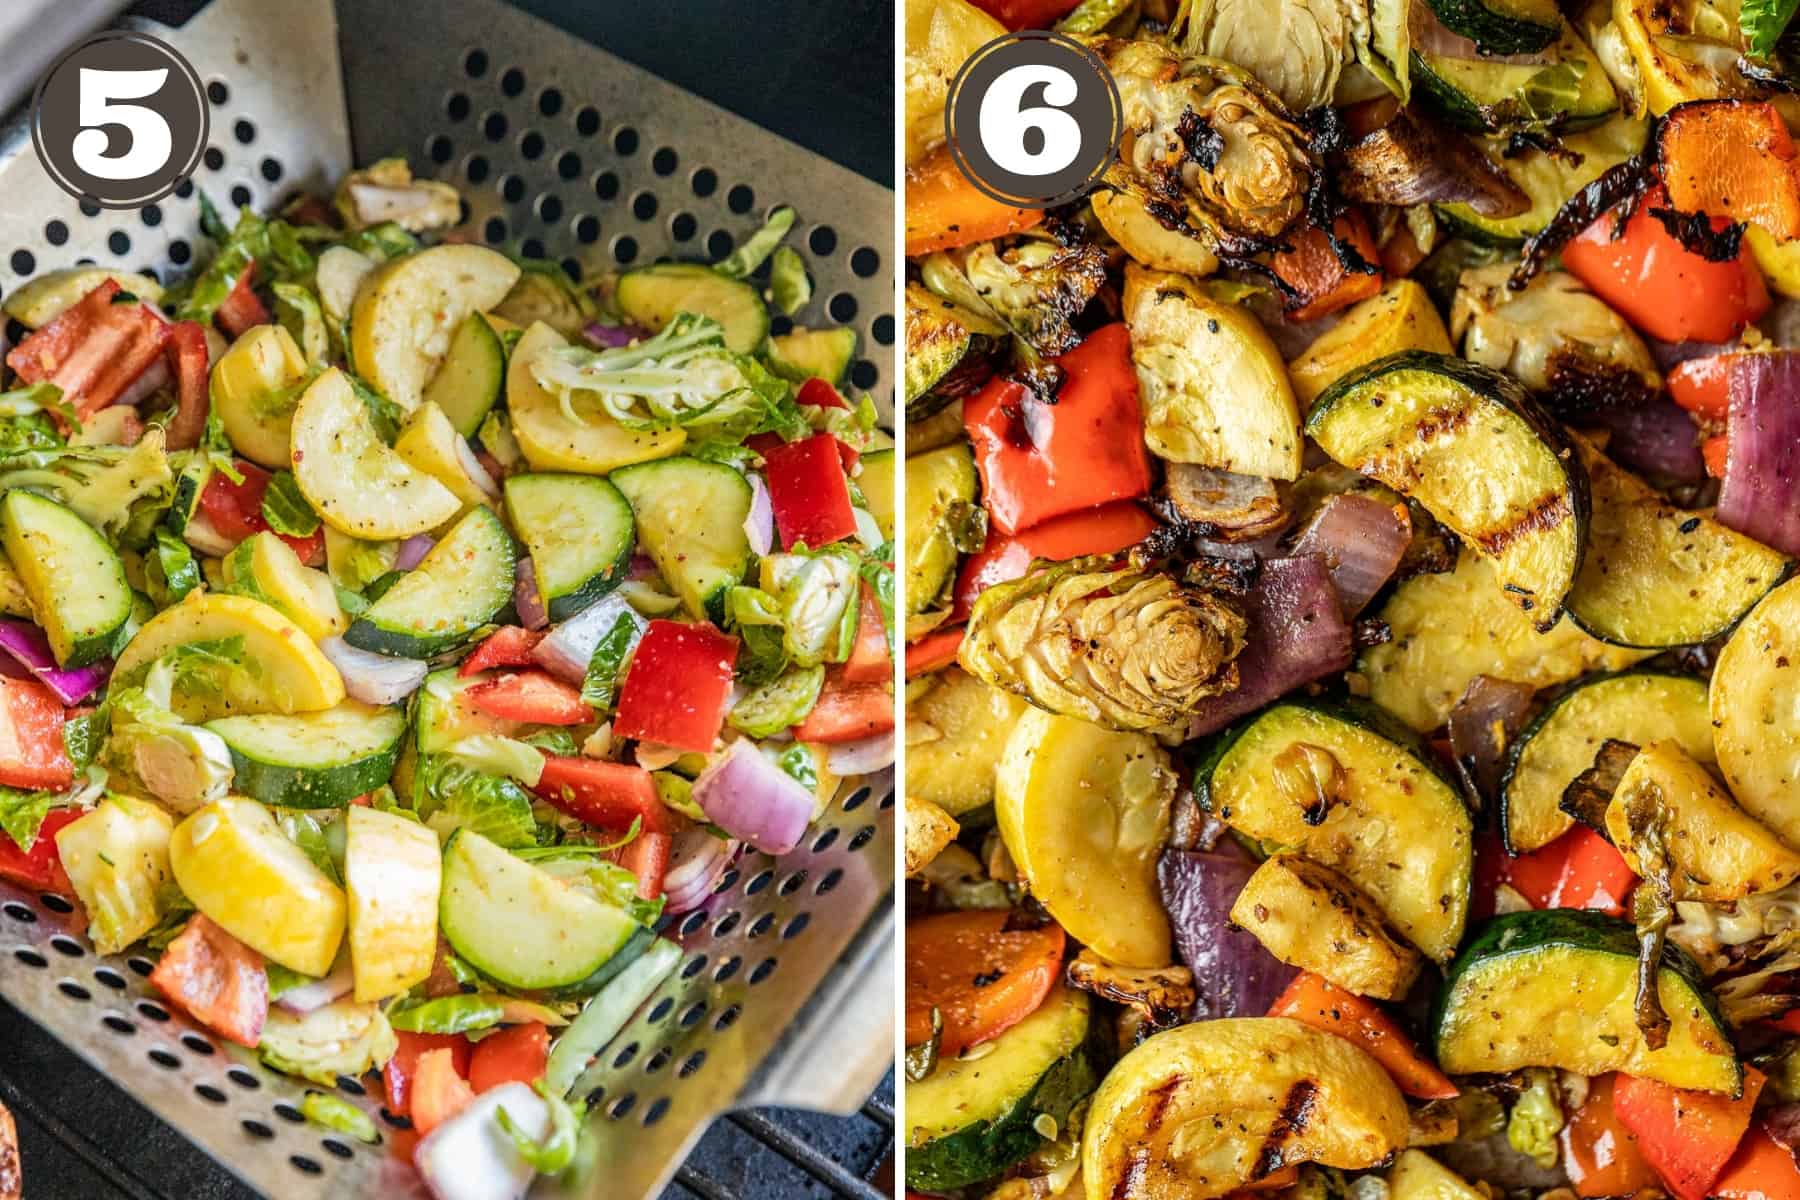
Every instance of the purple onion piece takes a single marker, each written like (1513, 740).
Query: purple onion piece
(26, 645)
(1361, 541)
(1233, 974)
(754, 800)
(611, 337)
(1657, 438)
(1760, 494)
(413, 551)
(526, 601)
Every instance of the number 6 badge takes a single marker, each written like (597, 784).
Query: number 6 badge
(120, 120)
(1033, 119)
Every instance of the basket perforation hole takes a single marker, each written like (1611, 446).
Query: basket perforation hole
(664, 161)
(532, 248)
(180, 251)
(683, 226)
(257, 1129)
(692, 1014)
(568, 165)
(217, 92)
(118, 1025)
(494, 230)
(887, 801)
(214, 158)
(164, 1059)
(587, 229)
(792, 883)
(243, 130)
(625, 141)
(726, 924)
(475, 63)
(512, 82)
(781, 323)
(352, 1085)
(831, 880)
(606, 185)
(90, 209)
(718, 243)
(550, 101)
(822, 240)
(197, 1044)
(151, 215)
(24, 262)
(762, 970)
(727, 969)
(692, 922)
(306, 1165)
(67, 946)
(796, 927)
(694, 966)
(760, 926)
(728, 1018)
(18, 912)
(476, 168)
(622, 1106)
(55, 903)
(109, 978)
(863, 837)
(493, 126)
(661, 1010)
(439, 149)
(75, 991)
(209, 1093)
(56, 233)
(865, 261)
(625, 249)
(842, 308)
(240, 195)
(289, 1113)
(825, 841)
(759, 881)
(643, 206)
(457, 107)
(512, 189)
(395, 1119)
(549, 209)
(336, 1148)
(659, 1108)
(704, 181)
(658, 1061)
(691, 1063)
(270, 169)
(152, 1010)
(727, 881)
(587, 121)
(531, 145)
(856, 799)
(740, 199)
(624, 1056)
(243, 1079)
(572, 268)
(883, 330)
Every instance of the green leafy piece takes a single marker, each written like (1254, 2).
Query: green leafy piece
(877, 571)
(755, 616)
(382, 242)
(790, 287)
(493, 754)
(112, 488)
(298, 312)
(801, 766)
(582, 865)
(600, 687)
(282, 980)
(84, 735)
(38, 399)
(773, 707)
(448, 795)
(820, 602)
(34, 431)
(446, 1014)
(677, 793)
(308, 833)
(340, 1116)
(286, 510)
(497, 439)
(553, 1155)
(387, 416)
(1093, 16)
(553, 740)
(170, 569)
(742, 262)
(1762, 23)
(1536, 1118)
(342, 1038)
(23, 813)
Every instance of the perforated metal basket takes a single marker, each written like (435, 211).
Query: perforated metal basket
(785, 992)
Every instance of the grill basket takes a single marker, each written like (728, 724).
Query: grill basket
(784, 995)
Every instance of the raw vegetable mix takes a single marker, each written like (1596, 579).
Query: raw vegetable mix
(1350, 627)
(397, 633)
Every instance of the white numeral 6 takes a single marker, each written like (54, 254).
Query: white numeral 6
(1004, 120)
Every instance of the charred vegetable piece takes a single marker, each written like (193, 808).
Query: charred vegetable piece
(1471, 445)
(1656, 576)
(1036, 285)
(1311, 917)
(1128, 649)
(1732, 158)
(1754, 691)
(1484, 95)
(929, 831)
(1202, 1110)
(1554, 989)
(1555, 337)
(1343, 785)
(1501, 27)
(1226, 506)
(1636, 706)
(939, 337)
(1163, 996)
(941, 519)
(1549, 177)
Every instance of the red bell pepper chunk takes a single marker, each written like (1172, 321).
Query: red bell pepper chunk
(847, 712)
(1103, 530)
(241, 308)
(1687, 1136)
(869, 660)
(1039, 461)
(1713, 452)
(508, 646)
(1700, 386)
(191, 363)
(217, 980)
(1027, 14)
(400, 1070)
(516, 1054)
(647, 857)
(933, 651)
(1580, 869)
(1313, 1001)
(40, 868)
(93, 350)
(820, 394)
(678, 686)
(235, 510)
(1659, 285)
(438, 1092)
(607, 794)
(809, 491)
(535, 696)
(32, 755)
(1600, 1155)
(1312, 268)
(1762, 1169)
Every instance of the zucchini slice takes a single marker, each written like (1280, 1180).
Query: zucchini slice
(971, 1119)
(1449, 628)
(1491, 97)
(1655, 576)
(876, 478)
(1501, 27)
(1310, 916)
(956, 770)
(313, 760)
(1202, 1110)
(1549, 179)
(813, 354)
(406, 311)
(1633, 706)
(1084, 812)
(590, 442)
(579, 531)
(355, 481)
(73, 578)
(652, 297)
(1346, 786)
(1719, 853)
(442, 717)
(461, 585)
(518, 924)
(1472, 446)
(468, 382)
(1555, 989)
(1754, 693)
(690, 516)
(940, 495)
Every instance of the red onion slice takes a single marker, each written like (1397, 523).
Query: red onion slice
(478, 474)
(1361, 541)
(759, 526)
(26, 645)
(155, 378)
(1233, 974)
(569, 648)
(754, 800)
(413, 551)
(697, 861)
(611, 337)
(320, 992)
(526, 600)
(374, 678)
(1760, 494)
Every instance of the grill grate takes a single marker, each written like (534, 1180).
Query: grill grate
(565, 152)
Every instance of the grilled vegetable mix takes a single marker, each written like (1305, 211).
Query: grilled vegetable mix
(397, 633)
(1351, 732)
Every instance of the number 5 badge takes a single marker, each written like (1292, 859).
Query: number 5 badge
(120, 119)
(1033, 119)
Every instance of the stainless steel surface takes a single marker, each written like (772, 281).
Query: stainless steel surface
(785, 995)
(34, 32)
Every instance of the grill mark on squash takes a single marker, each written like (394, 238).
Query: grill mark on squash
(1546, 512)
(1296, 1114)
